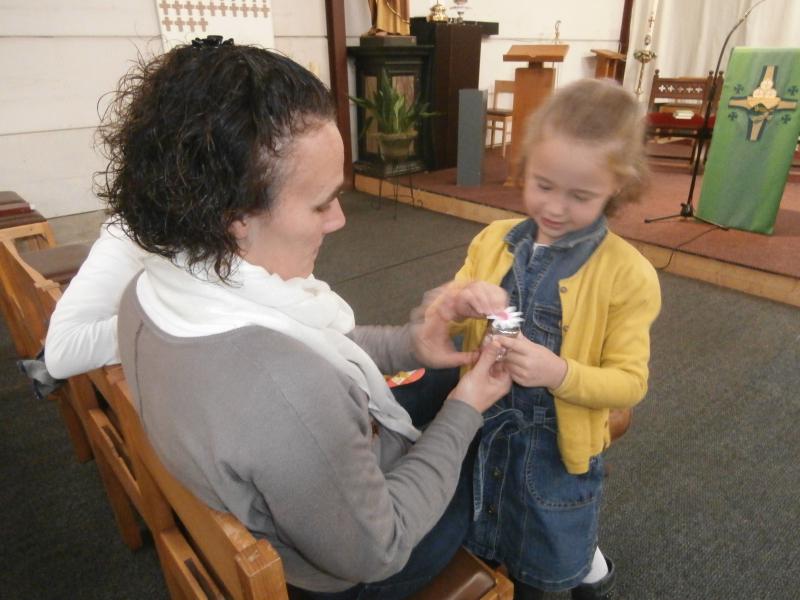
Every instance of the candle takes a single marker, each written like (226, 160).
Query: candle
(648, 38)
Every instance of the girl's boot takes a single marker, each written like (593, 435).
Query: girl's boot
(599, 590)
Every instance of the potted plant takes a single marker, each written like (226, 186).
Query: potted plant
(395, 117)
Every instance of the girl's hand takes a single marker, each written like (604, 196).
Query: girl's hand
(486, 382)
(531, 364)
(478, 299)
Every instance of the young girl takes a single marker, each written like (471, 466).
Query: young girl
(588, 299)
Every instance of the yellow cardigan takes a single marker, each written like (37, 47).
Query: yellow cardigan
(607, 306)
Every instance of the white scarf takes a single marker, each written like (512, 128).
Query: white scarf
(197, 304)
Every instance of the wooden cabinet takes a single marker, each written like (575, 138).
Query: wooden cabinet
(455, 65)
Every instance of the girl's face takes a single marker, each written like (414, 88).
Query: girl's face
(567, 184)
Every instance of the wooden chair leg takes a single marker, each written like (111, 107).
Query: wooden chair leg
(173, 584)
(18, 336)
(121, 506)
(77, 434)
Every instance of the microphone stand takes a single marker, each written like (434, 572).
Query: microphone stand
(687, 210)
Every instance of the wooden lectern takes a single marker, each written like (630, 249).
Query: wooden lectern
(532, 84)
(610, 65)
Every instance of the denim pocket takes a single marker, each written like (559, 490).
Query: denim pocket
(549, 483)
(547, 326)
(547, 318)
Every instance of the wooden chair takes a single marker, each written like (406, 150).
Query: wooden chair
(90, 426)
(209, 554)
(18, 303)
(499, 119)
(677, 108)
(35, 246)
(204, 553)
(27, 311)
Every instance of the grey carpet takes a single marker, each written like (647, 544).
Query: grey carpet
(702, 497)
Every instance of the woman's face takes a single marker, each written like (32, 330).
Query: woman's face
(286, 239)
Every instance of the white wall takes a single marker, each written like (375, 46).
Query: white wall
(584, 25)
(302, 35)
(691, 47)
(57, 59)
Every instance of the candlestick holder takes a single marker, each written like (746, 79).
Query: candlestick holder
(438, 13)
(644, 57)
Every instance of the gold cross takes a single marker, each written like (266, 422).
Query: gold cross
(762, 103)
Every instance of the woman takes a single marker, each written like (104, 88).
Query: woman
(249, 376)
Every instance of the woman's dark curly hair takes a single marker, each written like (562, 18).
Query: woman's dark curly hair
(195, 140)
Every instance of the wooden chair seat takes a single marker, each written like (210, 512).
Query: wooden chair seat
(15, 211)
(10, 197)
(499, 112)
(60, 263)
(466, 577)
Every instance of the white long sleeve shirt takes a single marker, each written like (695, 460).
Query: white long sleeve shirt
(83, 329)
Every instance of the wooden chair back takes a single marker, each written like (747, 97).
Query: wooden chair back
(19, 301)
(204, 553)
(502, 86)
(498, 120)
(677, 108)
(688, 92)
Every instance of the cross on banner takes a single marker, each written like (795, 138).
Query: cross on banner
(762, 103)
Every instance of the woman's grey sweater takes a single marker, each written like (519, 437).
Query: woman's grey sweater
(257, 424)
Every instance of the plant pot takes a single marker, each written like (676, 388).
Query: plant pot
(395, 146)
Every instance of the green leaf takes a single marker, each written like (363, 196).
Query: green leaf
(391, 110)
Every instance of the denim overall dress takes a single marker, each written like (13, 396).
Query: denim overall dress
(529, 512)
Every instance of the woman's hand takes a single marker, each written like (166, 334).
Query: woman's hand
(486, 382)
(476, 299)
(451, 302)
(531, 364)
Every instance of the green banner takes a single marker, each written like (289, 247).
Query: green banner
(754, 139)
